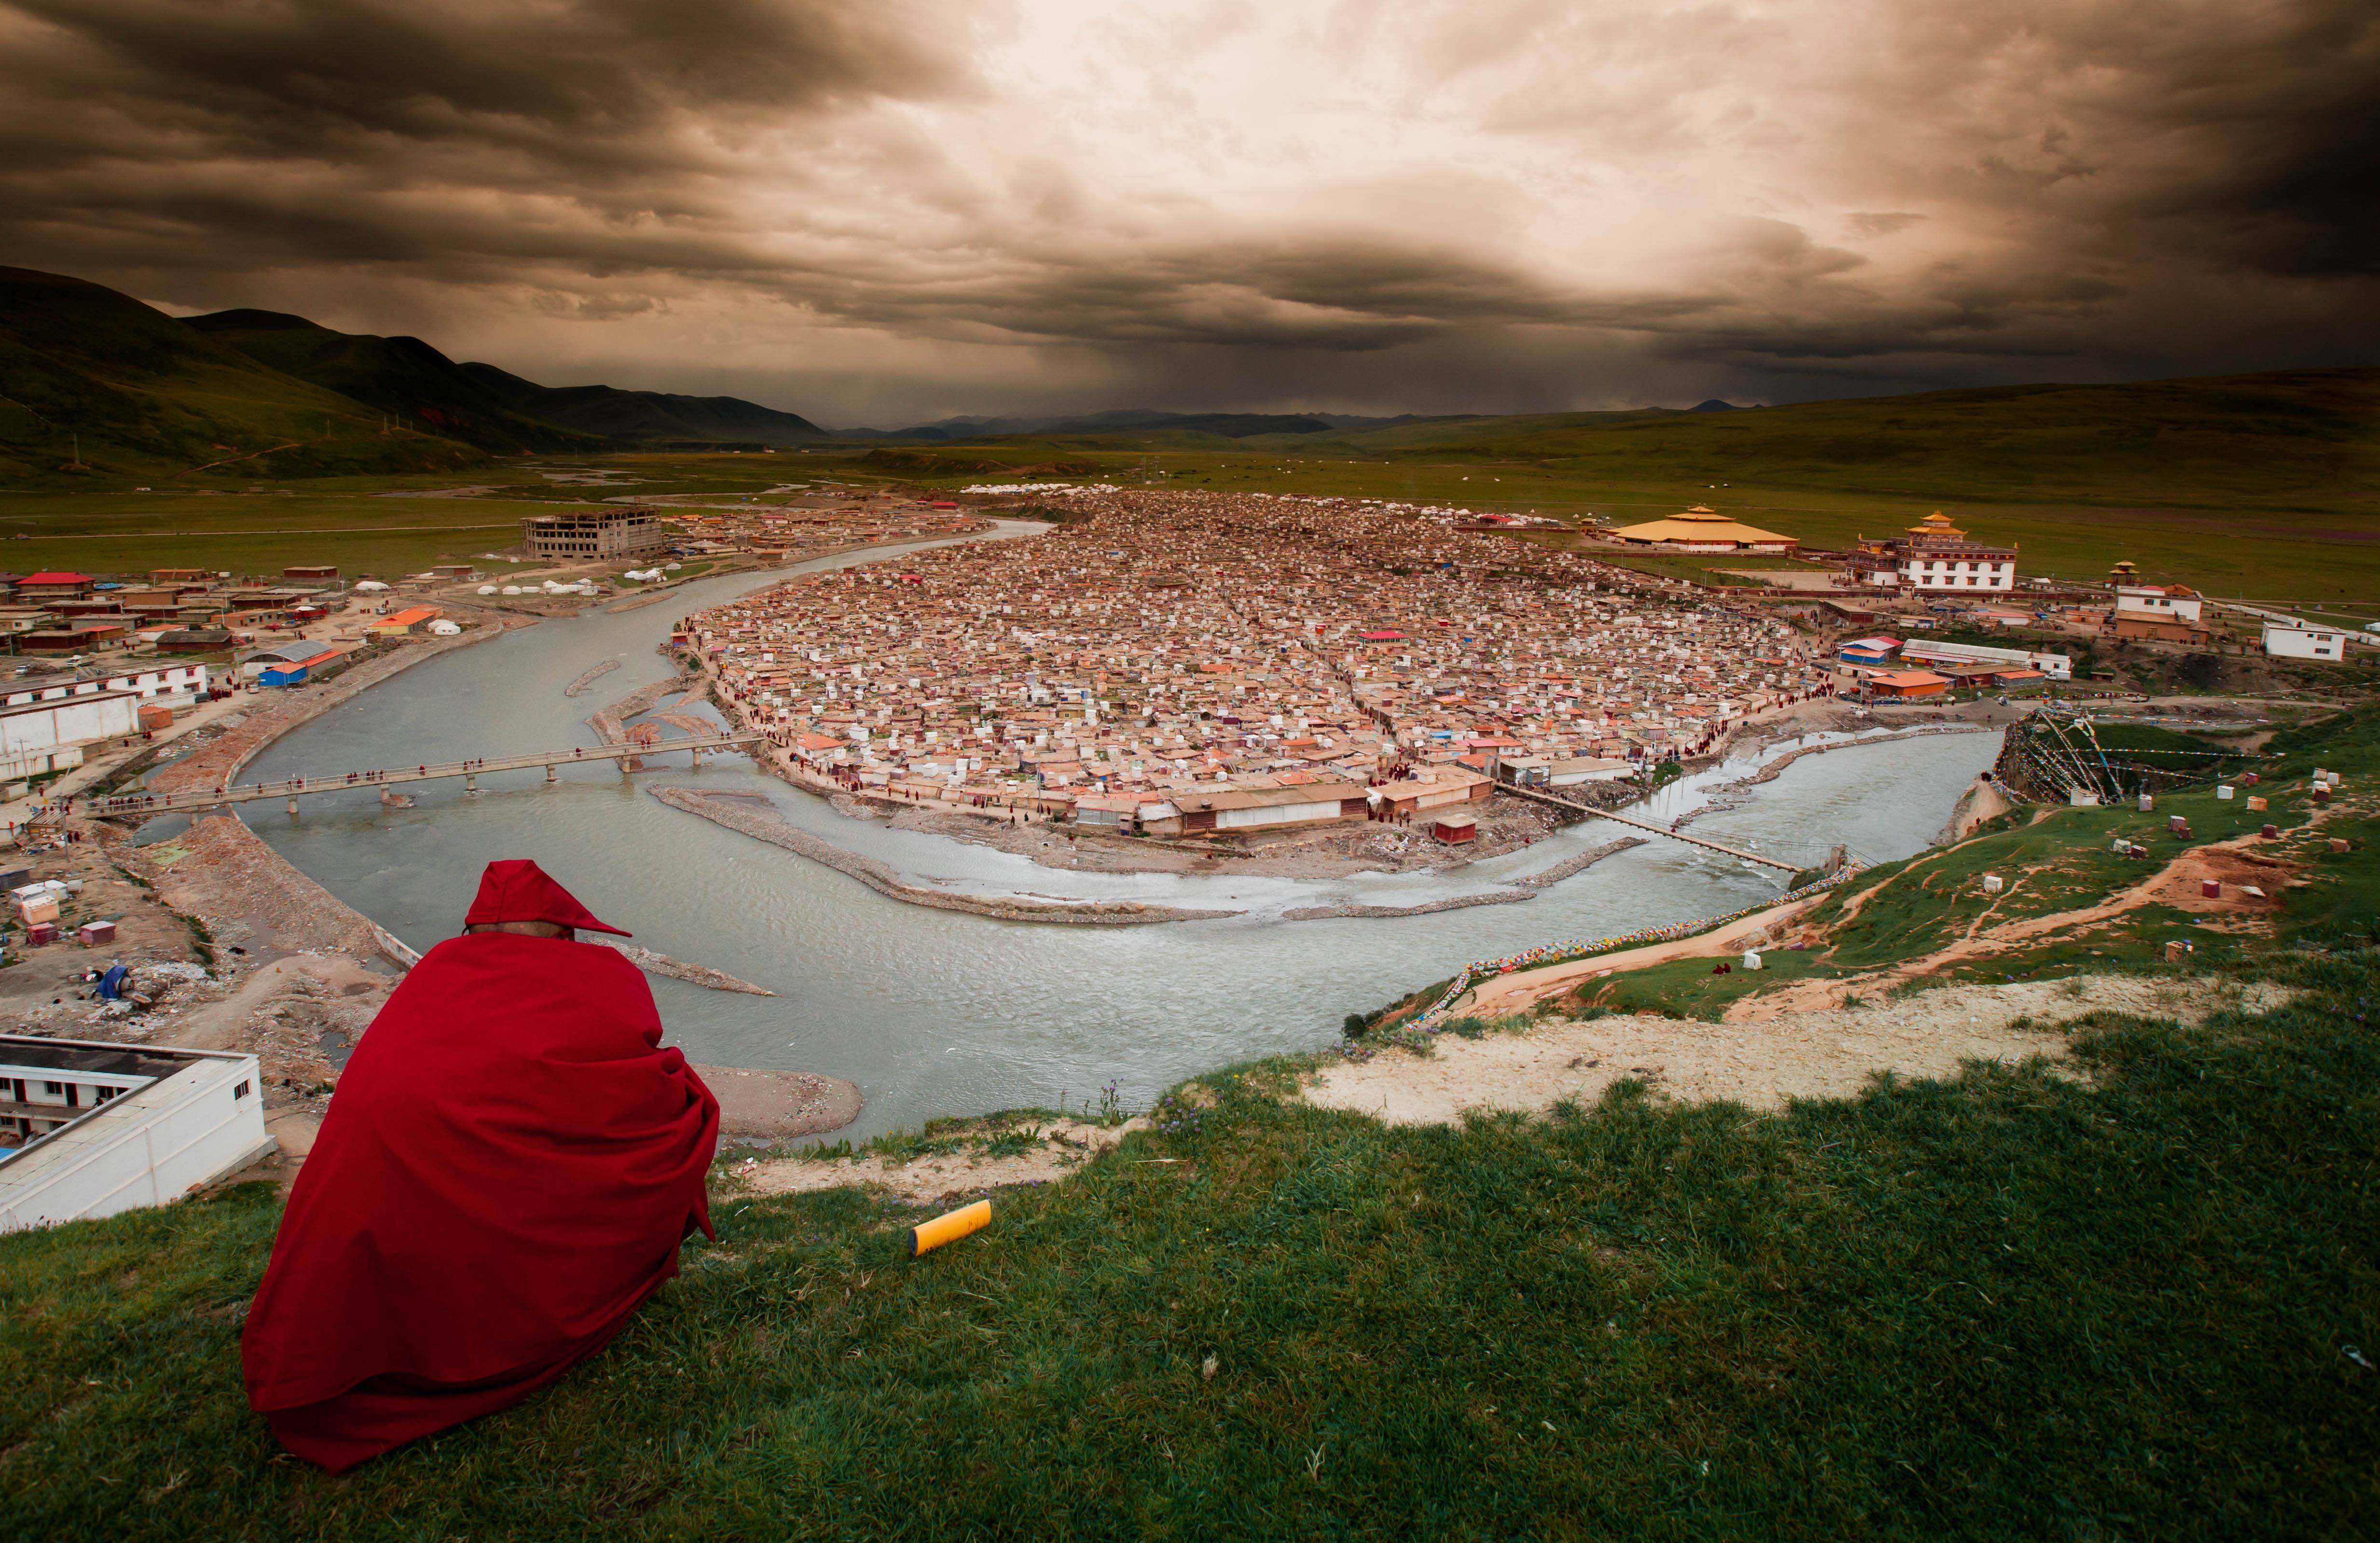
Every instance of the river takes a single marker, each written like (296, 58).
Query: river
(936, 1012)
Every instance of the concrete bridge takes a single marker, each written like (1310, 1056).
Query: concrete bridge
(1648, 825)
(294, 788)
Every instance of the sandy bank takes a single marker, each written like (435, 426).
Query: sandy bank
(756, 1105)
(767, 826)
(1335, 851)
(589, 676)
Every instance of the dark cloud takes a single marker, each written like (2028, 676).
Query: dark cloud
(595, 86)
(1533, 202)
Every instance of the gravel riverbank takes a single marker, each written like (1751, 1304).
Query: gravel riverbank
(767, 826)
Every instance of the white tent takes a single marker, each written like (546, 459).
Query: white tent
(370, 584)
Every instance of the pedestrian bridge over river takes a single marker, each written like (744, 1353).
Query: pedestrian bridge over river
(1653, 828)
(471, 770)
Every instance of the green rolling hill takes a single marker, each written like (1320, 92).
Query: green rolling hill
(403, 376)
(645, 417)
(87, 371)
(96, 386)
(2305, 436)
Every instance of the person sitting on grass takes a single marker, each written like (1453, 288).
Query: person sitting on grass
(505, 1173)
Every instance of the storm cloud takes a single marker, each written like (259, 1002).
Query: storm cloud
(879, 209)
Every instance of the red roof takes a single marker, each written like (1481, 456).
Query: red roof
(57, 579)
(1381, 637)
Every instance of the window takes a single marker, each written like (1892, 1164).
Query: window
(54, 1089)
(107, 1092)
(239, 1092)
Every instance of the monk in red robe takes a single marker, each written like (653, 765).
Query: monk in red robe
(504, 1174)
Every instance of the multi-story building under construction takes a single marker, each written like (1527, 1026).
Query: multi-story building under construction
(595, 534)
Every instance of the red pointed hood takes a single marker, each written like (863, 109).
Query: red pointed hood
(517, 890)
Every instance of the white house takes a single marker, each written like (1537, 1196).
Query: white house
(2159, 602)
(2296, 640)
(49, 737)
(89, 1129)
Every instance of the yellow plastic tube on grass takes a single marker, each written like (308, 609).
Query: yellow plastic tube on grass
(949, 1228)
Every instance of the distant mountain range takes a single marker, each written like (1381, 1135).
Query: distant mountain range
(93, 380)
(1229, 425)
(493, 408)
(94, 383)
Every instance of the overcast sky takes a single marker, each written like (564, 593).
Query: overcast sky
(888, 211)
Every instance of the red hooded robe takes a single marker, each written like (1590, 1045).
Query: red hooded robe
(505, 1173)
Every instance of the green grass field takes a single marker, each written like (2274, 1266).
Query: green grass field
(363, 525)
(2016, 1305)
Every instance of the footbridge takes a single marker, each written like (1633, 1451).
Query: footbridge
(294, 788)
(1648, 825)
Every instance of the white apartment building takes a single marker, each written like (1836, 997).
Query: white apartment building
(49, 737)
(173, 684)
(90, 1129)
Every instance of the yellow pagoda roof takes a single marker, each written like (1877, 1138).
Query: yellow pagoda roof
(1698, 524)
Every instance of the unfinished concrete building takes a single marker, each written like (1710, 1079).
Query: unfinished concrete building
(594, 535)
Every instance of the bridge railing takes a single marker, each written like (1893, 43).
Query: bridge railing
(299, 787)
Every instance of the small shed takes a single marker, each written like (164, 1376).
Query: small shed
(1455, 829)
(1907, 684)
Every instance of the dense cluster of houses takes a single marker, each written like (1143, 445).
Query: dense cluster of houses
(1181, 662)
(179, 609)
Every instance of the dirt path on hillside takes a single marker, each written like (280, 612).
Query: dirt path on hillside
(2231, 864)
(1827, 1053)
(1510, 993)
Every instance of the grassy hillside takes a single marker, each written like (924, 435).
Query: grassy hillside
(403, 375)
(2300, 439)
(646, 416)
(149, 398)
(2138, 1297)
